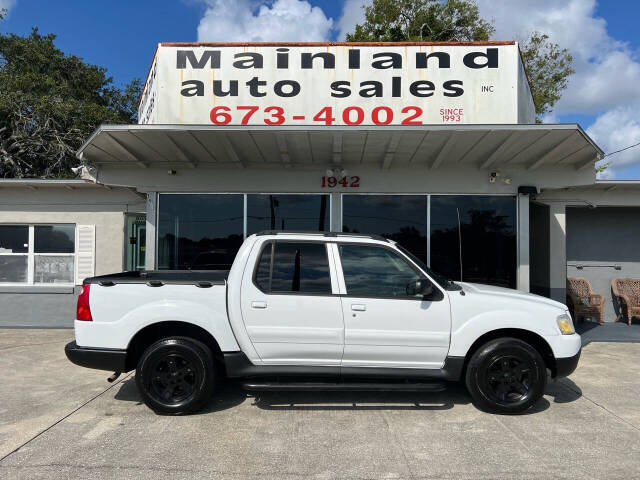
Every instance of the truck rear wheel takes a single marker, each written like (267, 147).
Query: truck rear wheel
(176, 375)
(506, 375)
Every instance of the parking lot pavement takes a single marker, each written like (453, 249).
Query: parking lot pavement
(62, 421)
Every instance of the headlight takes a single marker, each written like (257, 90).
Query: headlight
(565, 324)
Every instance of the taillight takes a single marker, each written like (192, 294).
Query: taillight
(83, 311)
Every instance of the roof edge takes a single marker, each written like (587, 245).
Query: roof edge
(618, 182)
(56, 181)
(330, 44)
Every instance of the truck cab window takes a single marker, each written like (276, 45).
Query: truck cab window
(375, 271)
(295, 268)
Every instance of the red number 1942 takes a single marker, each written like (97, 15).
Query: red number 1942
(345, 182)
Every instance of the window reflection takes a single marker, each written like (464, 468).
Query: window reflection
(296, 267)
(199, 232)
(287, 212)
(473, 238)
(375, 271)
(402, 218)
(14, 238)
(54, 238)
(300, 267)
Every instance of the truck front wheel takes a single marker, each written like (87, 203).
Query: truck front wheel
(176, 375)
(506, 375)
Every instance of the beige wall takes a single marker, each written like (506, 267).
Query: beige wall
(86, 205)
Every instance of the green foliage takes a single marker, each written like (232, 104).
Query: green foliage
(548, 67)
(602, 167)
(415, 20)
(49, 103)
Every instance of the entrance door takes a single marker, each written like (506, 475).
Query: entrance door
(290, 306)
(136, 229)
(384, 326)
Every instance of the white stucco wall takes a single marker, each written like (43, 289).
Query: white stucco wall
(464, 179)
(86, 205)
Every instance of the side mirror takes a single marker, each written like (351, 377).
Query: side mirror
(422, 287)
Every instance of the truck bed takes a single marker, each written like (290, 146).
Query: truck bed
(122, 304)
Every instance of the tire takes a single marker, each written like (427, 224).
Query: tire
(506, 376)
(176, 375)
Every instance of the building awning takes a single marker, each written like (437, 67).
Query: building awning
(526, 147)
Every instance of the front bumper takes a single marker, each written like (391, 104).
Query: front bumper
(110, 359)
(566, 366)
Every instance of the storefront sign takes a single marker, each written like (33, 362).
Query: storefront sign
(346, 84)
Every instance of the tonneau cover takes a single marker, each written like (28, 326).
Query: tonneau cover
(161, 277)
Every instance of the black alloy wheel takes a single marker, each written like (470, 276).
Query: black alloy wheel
(506, 375)
(508, 379)
(174, 378)
(175, 375)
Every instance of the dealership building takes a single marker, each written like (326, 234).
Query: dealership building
(432, 145)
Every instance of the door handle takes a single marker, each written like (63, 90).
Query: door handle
(258, 304)
(357, 307)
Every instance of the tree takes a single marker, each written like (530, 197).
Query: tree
(428, 20)
(49, 103)
(547, 65)
(548, 68)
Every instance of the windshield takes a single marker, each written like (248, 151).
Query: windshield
(443, 281)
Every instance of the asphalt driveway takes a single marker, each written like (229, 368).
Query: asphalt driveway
(62, 421)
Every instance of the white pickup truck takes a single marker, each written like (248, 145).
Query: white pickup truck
(322, 311)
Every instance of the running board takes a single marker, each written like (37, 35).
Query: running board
(345, 387)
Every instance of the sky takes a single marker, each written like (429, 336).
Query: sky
(603, 96)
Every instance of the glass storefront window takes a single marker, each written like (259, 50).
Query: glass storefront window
(199, 231)
(402, 218)
(473, 238)
(287, 212)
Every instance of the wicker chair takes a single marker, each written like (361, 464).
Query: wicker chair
(586, 304)
(628, 292)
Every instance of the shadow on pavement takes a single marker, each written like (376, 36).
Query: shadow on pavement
(230, 394)
(615, 332)
(227, 395)
(357, 400)
(563, 391)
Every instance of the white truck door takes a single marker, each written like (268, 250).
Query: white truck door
(291, 307)
(385, 327)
